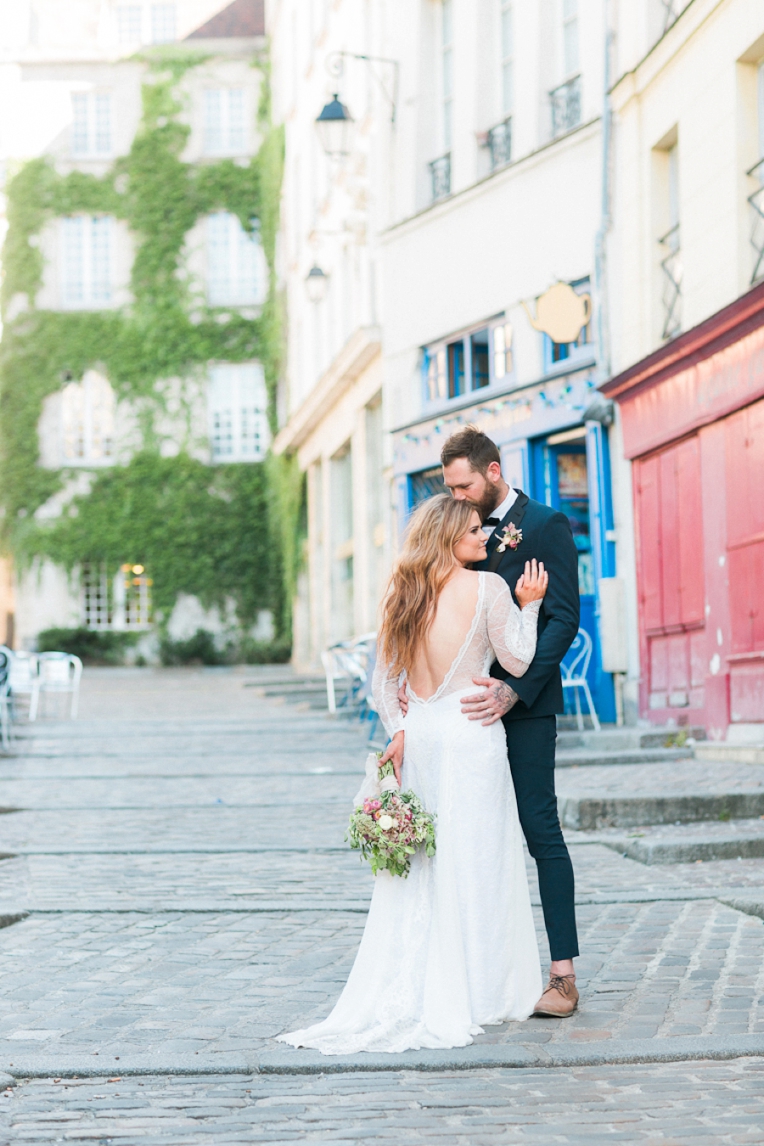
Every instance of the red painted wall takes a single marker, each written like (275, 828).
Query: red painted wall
(700, 544)
(693, 423)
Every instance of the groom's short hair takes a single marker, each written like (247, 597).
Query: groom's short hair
(472, 444)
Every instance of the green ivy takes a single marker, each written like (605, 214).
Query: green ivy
(209, 531)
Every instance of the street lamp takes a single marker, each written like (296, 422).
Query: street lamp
(316, 284)
(335, 126)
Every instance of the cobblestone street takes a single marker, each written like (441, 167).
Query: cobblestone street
(176, 892)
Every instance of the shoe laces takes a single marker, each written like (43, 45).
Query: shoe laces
(560, 983)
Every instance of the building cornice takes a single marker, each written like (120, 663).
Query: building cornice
(709, 337)
(663, 51)
(358, 352)
(580, 134)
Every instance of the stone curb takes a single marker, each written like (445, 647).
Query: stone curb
(584, 757)
(13, 913)
(518, 1055)
(129, 1066)
(664, 851)
(746, 905)
(590, 813)
(475, 1057)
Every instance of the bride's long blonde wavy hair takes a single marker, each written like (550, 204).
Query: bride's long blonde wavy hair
(425, 564)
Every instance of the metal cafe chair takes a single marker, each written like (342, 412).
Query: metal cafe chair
(60, 673)
(574, 669)
(346, 666)
(5, 697)
(24, 680)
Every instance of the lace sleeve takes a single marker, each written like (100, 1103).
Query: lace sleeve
(384, 689)
(511, 631)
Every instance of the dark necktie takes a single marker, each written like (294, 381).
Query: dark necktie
(492, 521)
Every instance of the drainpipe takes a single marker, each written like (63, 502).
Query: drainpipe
(596, 433)
(600, 252)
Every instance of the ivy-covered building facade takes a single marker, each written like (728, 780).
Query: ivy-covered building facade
(141, 344)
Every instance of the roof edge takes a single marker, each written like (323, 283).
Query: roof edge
(728, 325)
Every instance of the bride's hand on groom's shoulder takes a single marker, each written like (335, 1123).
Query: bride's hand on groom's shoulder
(491, 705)
(532, 583)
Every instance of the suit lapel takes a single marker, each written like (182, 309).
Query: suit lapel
(515, 516)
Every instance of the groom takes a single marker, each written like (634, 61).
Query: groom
(527, 706)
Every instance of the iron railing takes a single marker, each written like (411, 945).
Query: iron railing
(671, 266)
(500, 144)
(756, 199)
(566, 106)
(672, 10)
(440, 177)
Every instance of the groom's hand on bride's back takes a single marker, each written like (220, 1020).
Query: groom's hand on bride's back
(490, 705)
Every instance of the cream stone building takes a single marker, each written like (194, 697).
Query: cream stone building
(418, 257)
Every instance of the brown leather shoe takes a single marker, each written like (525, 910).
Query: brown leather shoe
(560, 999)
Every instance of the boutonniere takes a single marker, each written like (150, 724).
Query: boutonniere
(511, 536)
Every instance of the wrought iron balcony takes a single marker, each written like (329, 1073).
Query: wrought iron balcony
(566, 106)
(500, 144)
(440, 177)
(756, 199)
(671, 267)
(672, 10)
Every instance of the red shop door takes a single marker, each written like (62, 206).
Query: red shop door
(670, 580)
(744, 450)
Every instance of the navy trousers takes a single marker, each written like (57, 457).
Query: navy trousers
(531, 745)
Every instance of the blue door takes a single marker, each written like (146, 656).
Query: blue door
(560, 478)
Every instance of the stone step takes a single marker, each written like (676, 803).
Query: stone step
(293, 684)
(719, 750)
(689, 843)
(679, 791)
(581, 757)
(623, 739)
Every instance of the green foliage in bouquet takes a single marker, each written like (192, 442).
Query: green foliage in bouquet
(387, 830)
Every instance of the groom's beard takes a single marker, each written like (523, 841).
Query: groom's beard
(488, 502)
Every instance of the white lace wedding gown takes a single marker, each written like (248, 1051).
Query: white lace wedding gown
(453, 946)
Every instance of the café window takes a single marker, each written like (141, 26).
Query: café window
(424, 484)
(469, 361)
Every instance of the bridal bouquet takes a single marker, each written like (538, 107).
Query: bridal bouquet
(389, 826)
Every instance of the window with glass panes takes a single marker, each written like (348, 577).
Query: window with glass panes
(507, 57)
(132, 591)
(238, 412)
(96, 596)
(85, 243)
(224, 126)
(129, 24)
(162, 23)
(87, 420)
(570, 36)
(468, 362)
(237, 273)
(91, 123)
(447, 70)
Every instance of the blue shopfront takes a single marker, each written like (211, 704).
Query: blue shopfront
(549, 451)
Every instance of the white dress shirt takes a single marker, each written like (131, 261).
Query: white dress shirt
(501, 511)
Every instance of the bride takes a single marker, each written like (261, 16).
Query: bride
(452, 947)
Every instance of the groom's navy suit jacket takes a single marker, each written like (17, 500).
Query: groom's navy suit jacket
(548, 538)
